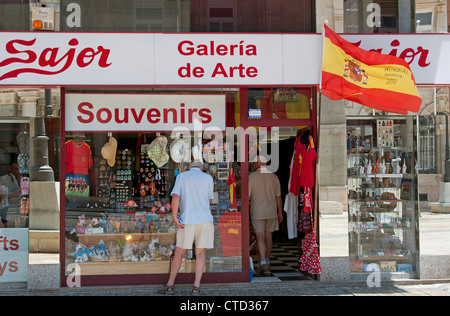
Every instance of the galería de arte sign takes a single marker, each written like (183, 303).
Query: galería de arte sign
(189, 48)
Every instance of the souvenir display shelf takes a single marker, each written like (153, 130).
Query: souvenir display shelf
(119, 219)
(382, 195)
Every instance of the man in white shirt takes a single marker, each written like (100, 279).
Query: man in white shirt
(9, 192)
(192, 194)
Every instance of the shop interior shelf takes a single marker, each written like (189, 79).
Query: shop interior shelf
(164, 238)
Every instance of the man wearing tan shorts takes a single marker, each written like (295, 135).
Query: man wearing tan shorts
(265, 209)
(192, 195)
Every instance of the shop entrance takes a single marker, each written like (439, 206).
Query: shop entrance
(287, 240)
(294, 117)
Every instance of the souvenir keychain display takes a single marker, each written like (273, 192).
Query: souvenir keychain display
(385, 133)
(24, 198)
(147, 173)
(123, 181)
(161, 181)
(103, 177)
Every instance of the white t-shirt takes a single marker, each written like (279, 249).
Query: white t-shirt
(195, 189)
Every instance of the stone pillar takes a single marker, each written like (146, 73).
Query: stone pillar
(44, 192)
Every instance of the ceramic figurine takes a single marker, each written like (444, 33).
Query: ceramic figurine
(81, 225)
(80, 254)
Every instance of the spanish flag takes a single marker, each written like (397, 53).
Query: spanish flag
(382, 82)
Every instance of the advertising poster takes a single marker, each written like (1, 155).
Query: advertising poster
(13, 255)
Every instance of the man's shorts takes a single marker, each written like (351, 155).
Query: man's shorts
(265, 225)
(200, 234)
(4, 215)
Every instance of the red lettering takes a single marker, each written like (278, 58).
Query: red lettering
(188, 48)
(87, 53)
(104, 55)
(138, 118)
(125, 116)
(90, 115)
(182, 117)
(13, 267)
(14, 244)
(185, 48)
(153, 116)
(394, 43)
(121, 115)
(185, 72)
(3, 268)
(12, 50)
(423, 56)
(90, 54)
(409, 54)
(174, 115)
(5, 242)
(220, 70)
(191, 114)
(222, 50)
(48, 58)
(239, 71)
(206, 115)
(43, 61)
(252, 72)
(108, 115)
(9, 244)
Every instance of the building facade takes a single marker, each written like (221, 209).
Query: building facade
(114, 145)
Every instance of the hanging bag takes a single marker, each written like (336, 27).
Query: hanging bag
(304, 222)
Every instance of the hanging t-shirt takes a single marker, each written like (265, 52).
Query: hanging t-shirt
(230, 228)
(302, 165)
(78, 158)
(296, 166)
(309, 157)
(291, 209)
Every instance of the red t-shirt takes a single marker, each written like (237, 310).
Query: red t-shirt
(308, 174)
(230, 228)
(296, 168)
(78, 158)
(303, 166)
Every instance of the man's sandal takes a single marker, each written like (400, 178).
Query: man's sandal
(167, 289)
(195, 290)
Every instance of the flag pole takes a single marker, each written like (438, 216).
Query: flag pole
(319, 108)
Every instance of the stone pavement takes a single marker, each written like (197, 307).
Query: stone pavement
(264, 289)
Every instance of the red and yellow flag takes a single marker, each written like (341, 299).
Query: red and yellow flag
(380, 81)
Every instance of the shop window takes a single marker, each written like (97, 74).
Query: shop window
(149, 17)
(277, 16)
(221, 19)
(15, 16)
(221, 12)
(381, 16)
(382, 195)
(118, 207)
(427, 145)
(424, 22)
(126, 16)
(14, 176)
(278, 103)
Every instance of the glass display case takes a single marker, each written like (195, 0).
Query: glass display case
(382, 194)
(14, 171)
(118, 217)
